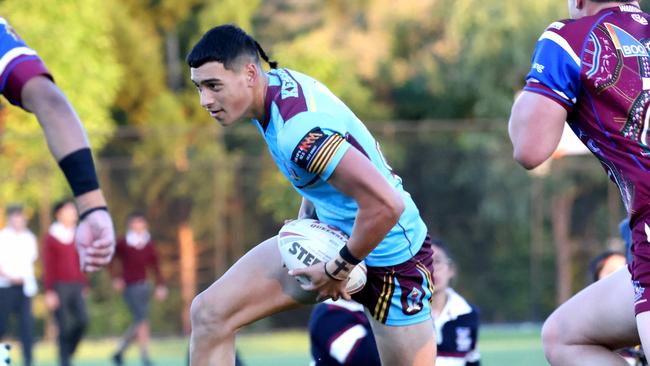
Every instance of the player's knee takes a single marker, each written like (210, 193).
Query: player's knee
(551, 336)
(208, 317)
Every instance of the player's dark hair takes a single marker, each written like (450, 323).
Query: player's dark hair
(596, 265)
(14, 209)
(136, 215)
(444, 248)
(226, 44)
(59, 205)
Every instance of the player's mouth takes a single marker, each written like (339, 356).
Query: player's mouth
(215, 113)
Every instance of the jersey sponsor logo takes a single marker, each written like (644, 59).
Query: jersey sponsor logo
(289, 88)
(639, 19)
(315, 150)
(556, 25)
(629, 8)
(625, 42)
(538, 67)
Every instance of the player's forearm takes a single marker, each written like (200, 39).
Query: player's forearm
(58, 119)
(371, 227)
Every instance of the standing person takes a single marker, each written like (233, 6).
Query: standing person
(136, 252)
(335, 164)
(594, 72)
(26, 82)
(64, 282)
(18, 252)
(456, 320)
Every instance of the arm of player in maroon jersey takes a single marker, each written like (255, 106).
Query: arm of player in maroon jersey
(535, 128)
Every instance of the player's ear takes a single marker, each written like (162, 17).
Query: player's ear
(252, 73)
(580, 4)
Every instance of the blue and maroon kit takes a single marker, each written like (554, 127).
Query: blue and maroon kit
(598, 69)
(18, 64)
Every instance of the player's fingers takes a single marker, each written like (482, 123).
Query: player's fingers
(308, 286)
(99, 252)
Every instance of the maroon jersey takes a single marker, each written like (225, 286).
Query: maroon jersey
(60, 262)
(135, 261)
(598, 68)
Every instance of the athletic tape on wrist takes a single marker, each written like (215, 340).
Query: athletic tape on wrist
(79, 170)
(348, 257)
(88, 212)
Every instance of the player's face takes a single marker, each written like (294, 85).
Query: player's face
(226, 94)
(138, 225)
(443, 269)
(67, 214)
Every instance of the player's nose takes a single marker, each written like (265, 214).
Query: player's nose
(207, 101)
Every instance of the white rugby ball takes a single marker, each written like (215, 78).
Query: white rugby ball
(306, 242)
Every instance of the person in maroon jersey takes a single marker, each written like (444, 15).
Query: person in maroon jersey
(64, 282)
(593, 72)
(137, 253)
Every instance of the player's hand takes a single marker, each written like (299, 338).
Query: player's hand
(118, 284)
(51, 300)
(161, 292)
(326, 286)
(95, 240)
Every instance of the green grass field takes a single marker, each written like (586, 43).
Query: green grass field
(500, 346)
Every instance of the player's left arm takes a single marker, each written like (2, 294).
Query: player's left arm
(379, 209)
(380, 205)
(535, 128)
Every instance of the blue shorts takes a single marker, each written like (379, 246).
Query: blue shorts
(400, 295)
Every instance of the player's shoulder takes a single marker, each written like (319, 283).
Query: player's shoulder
(573, 31)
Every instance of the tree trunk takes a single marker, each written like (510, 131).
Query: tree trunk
(187, 248)
(174, 67)
(561, 221)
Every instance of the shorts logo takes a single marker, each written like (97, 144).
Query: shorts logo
(414, 302)
(638, 292)
(625, 42)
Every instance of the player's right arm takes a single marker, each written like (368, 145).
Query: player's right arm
(27, 83)
(540, 111)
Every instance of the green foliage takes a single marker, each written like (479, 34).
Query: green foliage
(74, 40)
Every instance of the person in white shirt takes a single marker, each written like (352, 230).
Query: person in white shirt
(456, 321)
(18, 252)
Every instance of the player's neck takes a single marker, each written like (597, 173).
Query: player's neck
(259, 105)
(593, 8)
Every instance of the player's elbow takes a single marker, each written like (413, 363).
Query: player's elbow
(529, 160)
(394, 207)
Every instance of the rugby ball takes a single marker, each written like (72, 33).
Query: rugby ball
(306, 242)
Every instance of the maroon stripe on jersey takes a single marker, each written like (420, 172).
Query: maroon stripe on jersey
(452, 354)
(21, 71)
(288, 97)
(349, 138)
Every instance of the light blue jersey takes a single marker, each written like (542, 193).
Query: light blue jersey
(308, 130)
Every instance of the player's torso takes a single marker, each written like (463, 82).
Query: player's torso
(612, 52)
(295, 100)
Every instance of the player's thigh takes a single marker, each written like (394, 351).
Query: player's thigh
(256, 286)
(413, 344)
(601, 314)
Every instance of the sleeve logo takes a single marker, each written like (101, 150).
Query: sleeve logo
(315, 150)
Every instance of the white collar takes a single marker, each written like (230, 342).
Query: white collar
(456, 306)
(60, 232)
